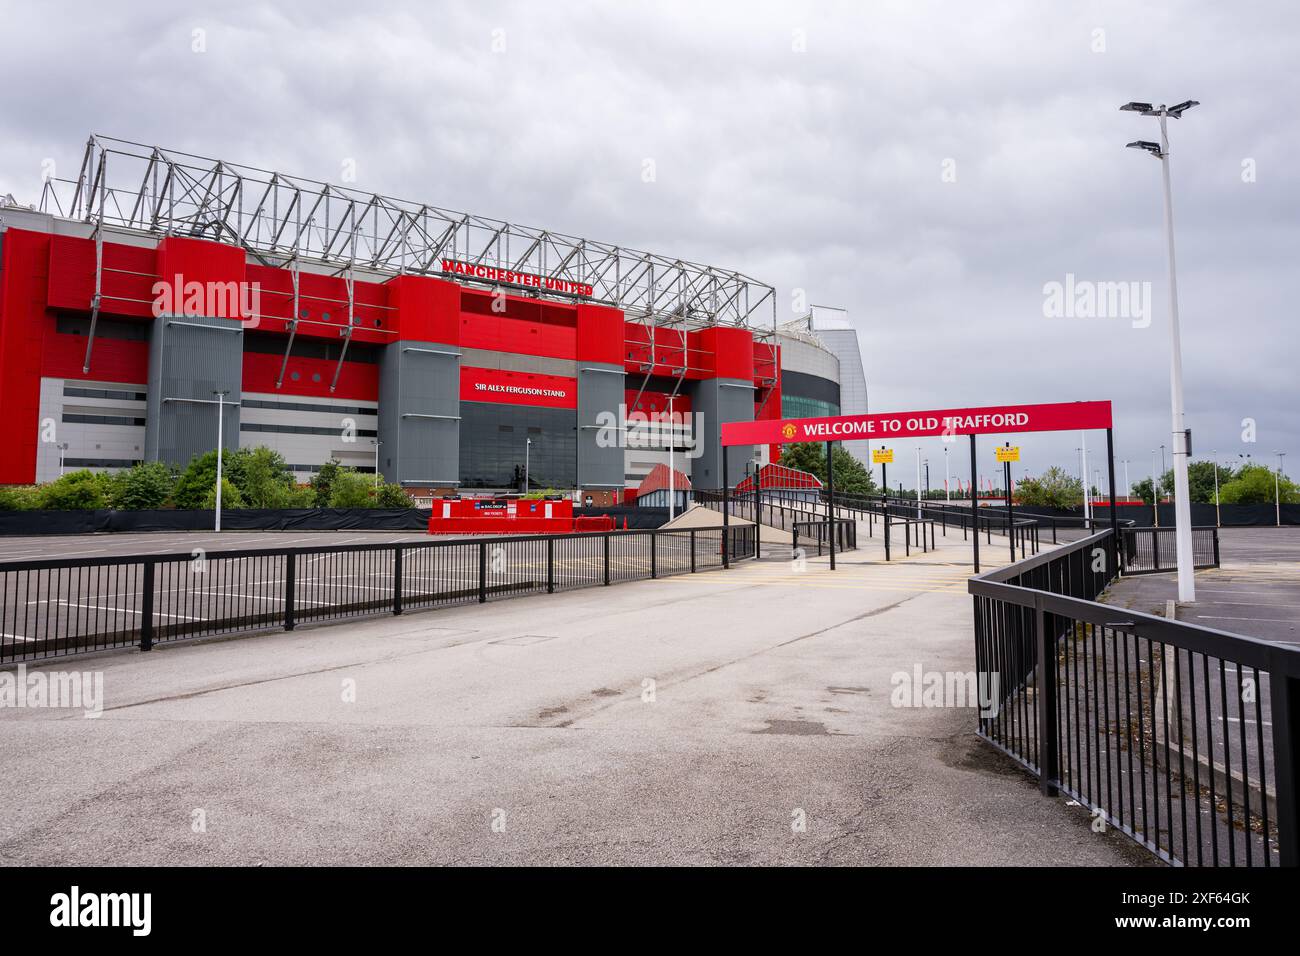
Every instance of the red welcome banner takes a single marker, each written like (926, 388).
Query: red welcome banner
(1062, 416)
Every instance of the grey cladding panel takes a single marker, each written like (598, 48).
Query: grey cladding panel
(189, 360)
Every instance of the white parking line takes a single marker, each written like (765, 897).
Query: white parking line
(1261, 620)
(128, 610)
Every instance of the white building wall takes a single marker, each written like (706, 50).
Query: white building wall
(102, 424)
(310, 431)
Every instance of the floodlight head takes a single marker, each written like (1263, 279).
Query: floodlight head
(1177, 111)
(1136, 107)
(1150, 147)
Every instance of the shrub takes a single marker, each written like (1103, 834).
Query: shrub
(19, 498)
(392, 496)
(350, 490)
(230, 496)
(146, 485)
(77, 491)
(1053, 489)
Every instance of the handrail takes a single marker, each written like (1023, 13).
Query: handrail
(1091, 688)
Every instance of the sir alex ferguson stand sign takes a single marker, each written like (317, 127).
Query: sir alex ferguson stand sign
(1062, 416)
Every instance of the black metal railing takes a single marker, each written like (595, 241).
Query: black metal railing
(1182, 737)
(1023, 530)
(66, 606)
(1149, 550)
(819, 534)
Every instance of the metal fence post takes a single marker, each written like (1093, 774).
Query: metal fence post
(692, 551)
(550, 565)
(654, 563)
(290, 588)
(482, 572)
(607, 558)
(146, 607)
(397, 579)
(1048, 757)
(1284, 705)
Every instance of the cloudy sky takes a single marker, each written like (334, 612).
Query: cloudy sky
(931, 167)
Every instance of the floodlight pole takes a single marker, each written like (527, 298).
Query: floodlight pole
(1182, 497)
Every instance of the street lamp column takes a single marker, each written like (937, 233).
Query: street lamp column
(221, 415)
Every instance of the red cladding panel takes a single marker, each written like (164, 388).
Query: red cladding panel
(24, 279)
(198, 260)
(517, 388)
(600, 334)
(114, 360)
(656, 402)
(521, 337)
(425, 309)
(358, 380)
(127, 283)
(732, 352)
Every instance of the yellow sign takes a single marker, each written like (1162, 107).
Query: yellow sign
(1011, 453)
(882, 456)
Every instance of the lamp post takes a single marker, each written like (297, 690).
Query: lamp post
(377, 443)
(63, 447)
(221, 415)
(1181, 439)
(947, 494)
(918, 481)
(1083, 477)
(1218, 522)
(1277, 486)
(672, 440)
(1155, 491)
(528, 446)
(1128, 488)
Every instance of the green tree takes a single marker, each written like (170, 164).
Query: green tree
(1200, 480)
(1254, 485)
(230, 496)
(146, 485)
(262, 477)
(851, 476)
(1142, 489)
(350, 490)
(197, 481)
(322, 483)
(1054, 488)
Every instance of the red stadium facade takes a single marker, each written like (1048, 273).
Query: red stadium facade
(131, 318)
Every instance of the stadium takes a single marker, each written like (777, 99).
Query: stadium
(158, 291)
